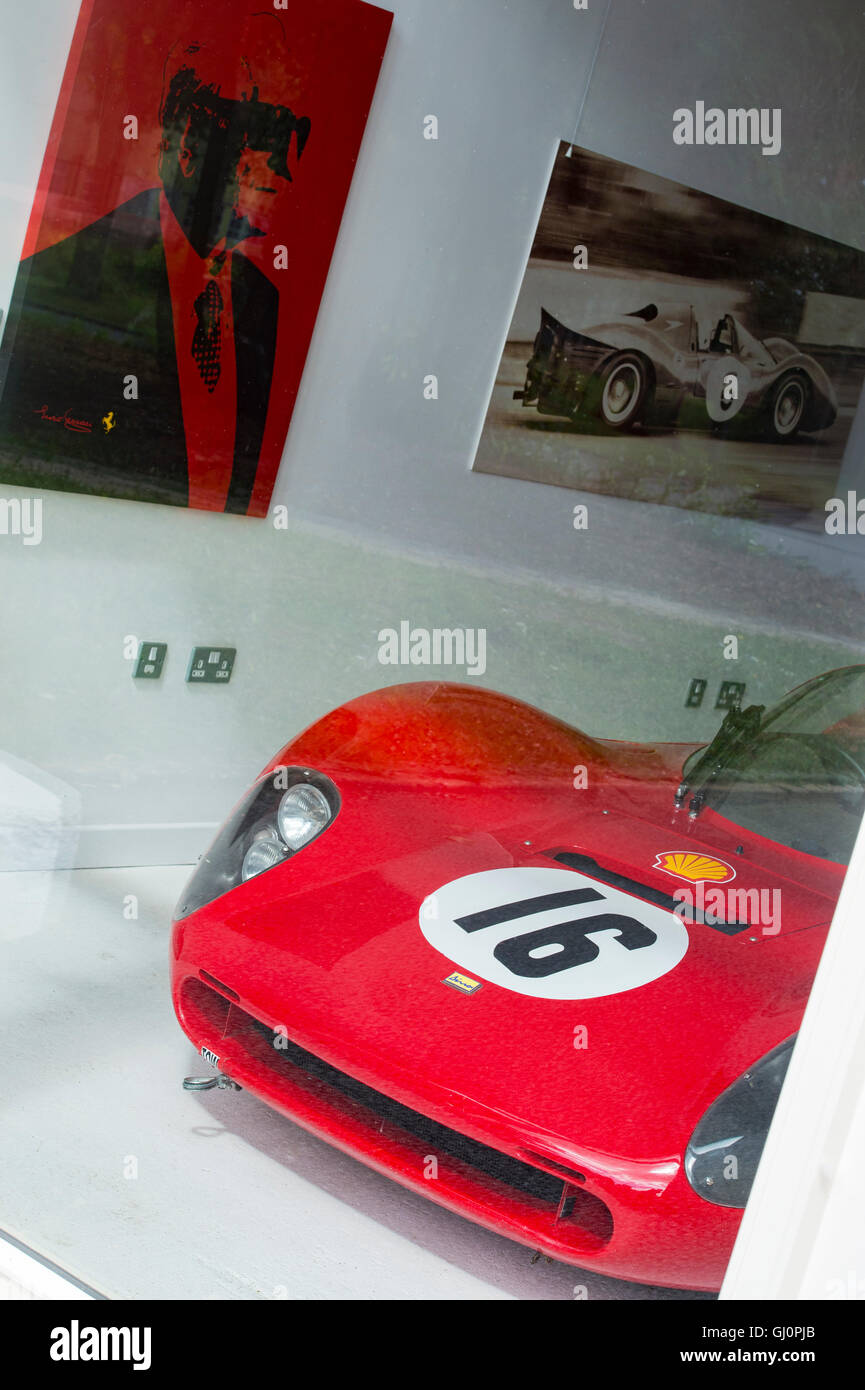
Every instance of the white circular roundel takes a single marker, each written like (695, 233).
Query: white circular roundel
(551, 933)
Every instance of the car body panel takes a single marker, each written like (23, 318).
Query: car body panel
(440, 782)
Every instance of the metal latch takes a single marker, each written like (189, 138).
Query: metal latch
(210, 1083)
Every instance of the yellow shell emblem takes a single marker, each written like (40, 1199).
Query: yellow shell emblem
(696, 868)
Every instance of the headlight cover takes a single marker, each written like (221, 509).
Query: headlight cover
(303, 813)
(725, 1148)
(295, 800)
(266, 850)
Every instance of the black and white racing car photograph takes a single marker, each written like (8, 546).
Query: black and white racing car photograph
(668, 346)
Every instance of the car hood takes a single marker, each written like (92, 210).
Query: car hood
(351, 944)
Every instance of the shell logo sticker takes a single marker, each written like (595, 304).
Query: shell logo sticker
(551, 933)
(694, 868)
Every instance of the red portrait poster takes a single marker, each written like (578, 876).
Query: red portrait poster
(190, 198)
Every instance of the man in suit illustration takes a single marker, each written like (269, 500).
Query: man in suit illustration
(156, 291)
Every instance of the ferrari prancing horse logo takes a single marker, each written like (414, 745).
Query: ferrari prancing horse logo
(552, 933)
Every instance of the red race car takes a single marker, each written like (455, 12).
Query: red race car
(550, 982)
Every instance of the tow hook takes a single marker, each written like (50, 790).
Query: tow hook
(210, 1083)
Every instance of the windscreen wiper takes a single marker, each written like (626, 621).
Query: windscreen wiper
(739, 728)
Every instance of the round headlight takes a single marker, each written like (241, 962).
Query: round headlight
(725, 1149)
(263, 853)
(303, 812)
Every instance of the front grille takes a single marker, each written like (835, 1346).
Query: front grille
(499, 1166)
(217, 984)
(556, 1199)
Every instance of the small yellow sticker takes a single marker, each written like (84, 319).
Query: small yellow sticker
(464, 983)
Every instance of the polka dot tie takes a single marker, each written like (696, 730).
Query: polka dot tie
(205, 342)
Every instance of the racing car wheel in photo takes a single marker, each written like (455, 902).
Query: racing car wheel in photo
(548, 981)
(623, 386)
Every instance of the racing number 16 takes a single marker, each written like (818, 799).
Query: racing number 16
(571, 938)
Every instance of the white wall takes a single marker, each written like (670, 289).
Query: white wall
(803, 1235)
(604, 629)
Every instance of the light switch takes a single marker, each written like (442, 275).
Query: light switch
(696, 691)
(148, 666)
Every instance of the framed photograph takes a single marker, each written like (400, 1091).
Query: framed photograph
(670, 347)
(192, 189)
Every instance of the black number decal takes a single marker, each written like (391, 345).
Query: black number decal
(508, 911)
(571, 937)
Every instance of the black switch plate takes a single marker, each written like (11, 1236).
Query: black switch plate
(211, 665)
(696, 691)
(730, 695)
(150, 660)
